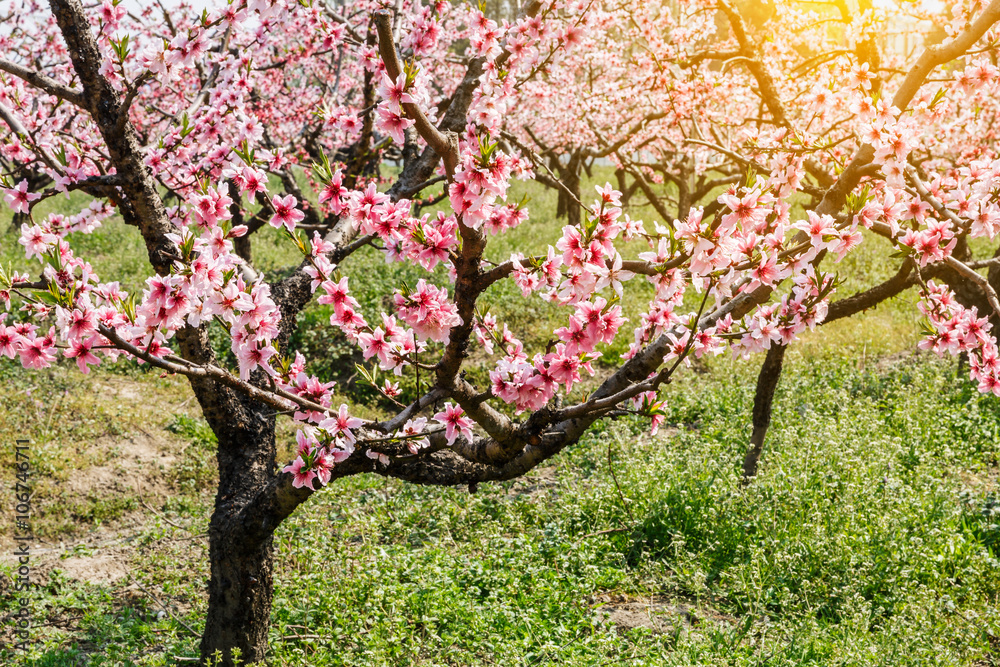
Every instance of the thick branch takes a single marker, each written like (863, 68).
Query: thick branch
(768, 89)
(872, 297)
(978, 279)
(44, 83)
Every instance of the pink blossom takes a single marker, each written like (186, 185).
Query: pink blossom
(35, 240)
(251, 355)
(36, 352)
(428, 310)
(392, 122)
(455, 422)
(10, 341)
(285, 212)
(341, 424)
(302, 476)
(80, 350)
(18, 197)
(394, 92)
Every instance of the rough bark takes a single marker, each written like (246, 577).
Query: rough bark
(239, 603)
(967, 292)
(993, 275)
(241, 586)
(571, 179)
(568, 199)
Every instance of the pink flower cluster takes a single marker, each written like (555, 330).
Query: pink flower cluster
(427, 240)
(320, 449)
(483, 176)
(530, 385)
(390, 117)
(295, 380)
(537, 274)
(659, 316)
(931, 244)
(393, 345)
(35, 352)
(428, 310)
(956, 329)
(593, 322)
(345, 307)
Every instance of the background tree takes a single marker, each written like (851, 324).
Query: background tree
(694, 103)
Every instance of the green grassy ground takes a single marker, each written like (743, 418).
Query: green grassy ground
(871, 536)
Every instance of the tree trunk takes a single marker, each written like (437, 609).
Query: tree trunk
(239, 599)
(571, 179)
(620, 175)
(993, 275)
(241, 586)
(767, 382)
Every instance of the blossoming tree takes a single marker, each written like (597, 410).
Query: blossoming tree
(697, 102)
(207, 112)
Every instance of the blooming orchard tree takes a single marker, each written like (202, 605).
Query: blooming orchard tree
(700, 98)
(178, 121)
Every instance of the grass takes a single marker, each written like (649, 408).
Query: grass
(839, 553)
(870, 537)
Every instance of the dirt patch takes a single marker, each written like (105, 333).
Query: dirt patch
(131, 392)
(669, 432)
(101, 558)
(889, 361)
(657, 614)
(83, 481)
(134, 463)
(982, 482)
(103, 568)
(138, 448)
(543, 481)
(116, 482)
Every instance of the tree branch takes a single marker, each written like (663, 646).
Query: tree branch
(44, 83)
(444, 143)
